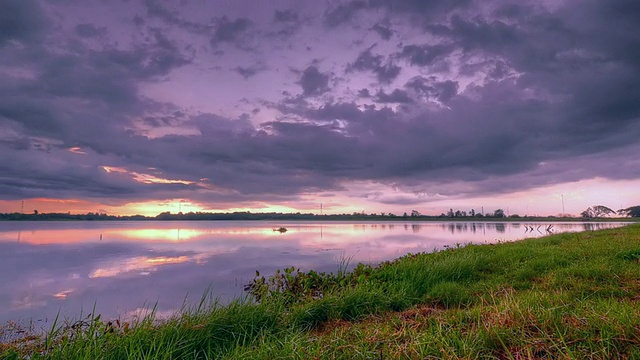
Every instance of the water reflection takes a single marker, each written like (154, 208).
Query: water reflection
(120, 266)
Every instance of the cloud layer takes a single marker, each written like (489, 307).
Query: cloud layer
(272, 103)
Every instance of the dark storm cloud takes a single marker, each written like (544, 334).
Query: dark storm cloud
(425, 8)
(511, 98)
(491, 136)
(430, 88)
(83, 98)
(21, 20)
(89, 30)
(493, 35)
(314, 82)
(343, 13)
(156, 9)
(347, 11)
(384, 31)
(285, 16)
(385, 71)
(396, 96)
(286, 23)
(249, 71)
(103, 78)
(228, 30)
(424, 55)
(364, 93)
(35, 178)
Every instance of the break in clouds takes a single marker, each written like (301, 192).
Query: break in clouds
(242, 101)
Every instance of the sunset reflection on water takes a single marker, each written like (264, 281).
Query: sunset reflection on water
(120, 266)
(141, 265)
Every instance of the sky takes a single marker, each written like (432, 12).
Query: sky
(140, 107)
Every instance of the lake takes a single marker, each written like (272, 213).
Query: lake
(122, 268)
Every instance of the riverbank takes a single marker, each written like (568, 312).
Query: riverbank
(572, 295)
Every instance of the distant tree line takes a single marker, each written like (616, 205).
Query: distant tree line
(592, 212)
(499, 213)
(244, 215)
(37, 216)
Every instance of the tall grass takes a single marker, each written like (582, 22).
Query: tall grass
(563, 296)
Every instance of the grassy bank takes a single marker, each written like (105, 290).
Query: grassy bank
(573, 295)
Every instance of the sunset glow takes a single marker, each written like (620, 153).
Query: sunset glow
(145, 178)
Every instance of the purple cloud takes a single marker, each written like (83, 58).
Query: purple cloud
(488, 97)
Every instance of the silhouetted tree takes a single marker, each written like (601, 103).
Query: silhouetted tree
(498, 213)
(596, 211)
(633, 211)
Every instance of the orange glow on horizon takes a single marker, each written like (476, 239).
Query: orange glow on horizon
(52, 205)
(357, 197)
(153, 208)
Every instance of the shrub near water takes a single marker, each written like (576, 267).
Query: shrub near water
(563, 296)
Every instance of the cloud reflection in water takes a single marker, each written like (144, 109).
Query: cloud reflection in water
(69, 266)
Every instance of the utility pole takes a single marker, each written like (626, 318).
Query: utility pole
(22, 207)
(562, 198)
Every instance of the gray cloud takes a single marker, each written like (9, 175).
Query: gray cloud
(423, 8)
(529, 96)
(21, 20)
(384, 31)
(285, 16)
(249, 71)
(480, 33)
(343, 13)
(364, 93)
(156, 9)
(230, 30)
(89, 30)
(430, 88)
(314, 82)
(367, 61)
(424, 55)
(396, 96)
(420, 9)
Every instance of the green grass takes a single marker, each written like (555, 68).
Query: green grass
(566, 296)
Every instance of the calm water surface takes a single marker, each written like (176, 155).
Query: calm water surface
(123, 267)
